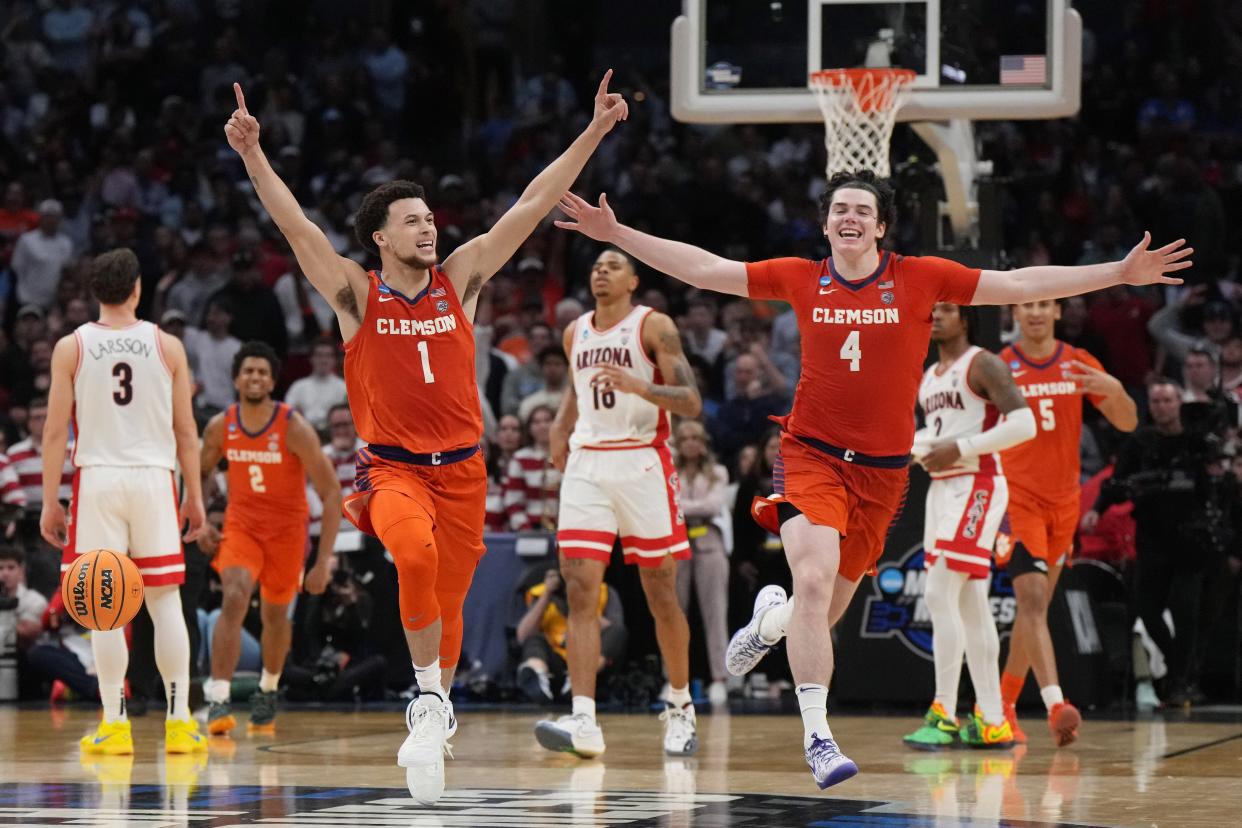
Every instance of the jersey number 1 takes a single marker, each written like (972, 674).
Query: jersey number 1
(428, 377)
(851, 351)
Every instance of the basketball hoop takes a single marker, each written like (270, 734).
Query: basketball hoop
(859, 107)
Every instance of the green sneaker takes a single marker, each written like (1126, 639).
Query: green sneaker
(263, 710)
(978, 734)
(937, 733)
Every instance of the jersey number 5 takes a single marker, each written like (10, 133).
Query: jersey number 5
(124, 393)
(1047, 416)
(851, 351)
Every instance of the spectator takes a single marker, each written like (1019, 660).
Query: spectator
(26, 456)
(187, 290)
(542, 631)
(527, 378)
(387, 65)
(704, 495)
(67, 28)
(16, 218)
(554, 376)
(778, 370)
(1231, 368)
(532, 486)
(1170, 326)
(40, 256)
(499, 456)
(1199, 375)
(700, 332)
(1120, 317)
(746, 412)
(323, 390)
(214, 349)
(256, 312)
(342, 449)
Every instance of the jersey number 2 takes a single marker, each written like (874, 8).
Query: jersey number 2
(256, 478)
(851, 351)
(124, 394)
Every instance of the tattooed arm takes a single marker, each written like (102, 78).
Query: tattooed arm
(678, 393)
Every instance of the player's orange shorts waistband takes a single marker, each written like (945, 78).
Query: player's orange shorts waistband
(400, 455)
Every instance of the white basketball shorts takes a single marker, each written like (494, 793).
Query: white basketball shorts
(962, 517)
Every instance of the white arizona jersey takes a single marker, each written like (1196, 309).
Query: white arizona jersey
(122, 391)
(953, 410)
(610, 418)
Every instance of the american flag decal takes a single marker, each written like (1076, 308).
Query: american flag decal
(1023, 69)
(437, 292)
(886, 285)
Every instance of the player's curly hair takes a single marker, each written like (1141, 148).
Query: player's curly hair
(973, 318)
(261, 350)
(373, 212)
(113, 274)
(885, 196)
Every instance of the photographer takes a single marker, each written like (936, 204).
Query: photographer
(21, 613)
(344, 665)
(1180, 536)
(542, 633)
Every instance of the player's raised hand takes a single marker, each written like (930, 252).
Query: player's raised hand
(610, 107)
(53, 526)
(599, 223)
(613, 378)
(1143, 266)
(242, 129)
(1092, 380)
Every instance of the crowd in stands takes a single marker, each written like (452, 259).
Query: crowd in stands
(111, 117)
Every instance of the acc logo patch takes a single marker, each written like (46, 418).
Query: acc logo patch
(896, 608)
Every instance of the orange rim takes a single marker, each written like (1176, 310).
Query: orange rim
(863, 82)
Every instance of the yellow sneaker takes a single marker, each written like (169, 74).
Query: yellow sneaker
(109, 739)
(182, 736)
(977, 733)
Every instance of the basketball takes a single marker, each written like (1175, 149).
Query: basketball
(102, 590)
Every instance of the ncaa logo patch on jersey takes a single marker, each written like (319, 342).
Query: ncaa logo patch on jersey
(1014, 365)
(887, 297)
(442, 306)
(825, 281)
(896, 608)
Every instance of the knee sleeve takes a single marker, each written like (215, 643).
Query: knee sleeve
(405, 529)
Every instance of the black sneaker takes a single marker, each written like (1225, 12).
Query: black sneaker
(263, 709)
(534, 684)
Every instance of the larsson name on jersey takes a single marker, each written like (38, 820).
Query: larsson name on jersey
(1049, 389)
(856, 316)
(415, 327)
(252, 456)
(943, 399)
(604, 356)
(127, 345)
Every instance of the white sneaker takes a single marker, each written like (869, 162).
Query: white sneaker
(718, 694)
(681, 737)
(1145, 697)
(451, 718)
(573, 734)
(828, 764)
(426, 782)
(427, 719)
(747, 648)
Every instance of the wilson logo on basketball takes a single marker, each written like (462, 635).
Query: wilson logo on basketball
(79, 592)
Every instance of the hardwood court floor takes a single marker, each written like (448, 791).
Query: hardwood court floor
(338, 768)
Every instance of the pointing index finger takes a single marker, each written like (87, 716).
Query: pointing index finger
(603, 84)
(241, 99)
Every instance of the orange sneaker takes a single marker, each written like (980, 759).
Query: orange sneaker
(1011, 716)
(1063, 721)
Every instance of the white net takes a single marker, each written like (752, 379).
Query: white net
(860, 107)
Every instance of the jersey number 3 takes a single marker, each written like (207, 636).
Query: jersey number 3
(124, 393)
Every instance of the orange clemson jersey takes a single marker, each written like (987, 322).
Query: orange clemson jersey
(1048, 467)
(267, 482)
(409, 370)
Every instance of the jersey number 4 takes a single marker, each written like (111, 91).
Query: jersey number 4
(851, 351)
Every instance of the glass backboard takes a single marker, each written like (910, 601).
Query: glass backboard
(978, 59)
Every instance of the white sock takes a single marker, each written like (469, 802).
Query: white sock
(429, 678)
(584, 706)
(1051, 695)
(813, 701)
(941, 593)
(775, 622)
(269, 682)
(679, 696)
(111, 662)
(982, 649)
(217, 690)
(172, 647)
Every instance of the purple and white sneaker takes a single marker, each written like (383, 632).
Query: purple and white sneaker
(828, 764)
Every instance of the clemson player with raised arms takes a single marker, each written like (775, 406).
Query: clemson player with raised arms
(410, 376)
(865, 319)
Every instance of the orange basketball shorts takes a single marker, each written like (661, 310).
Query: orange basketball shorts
(435, 533)
(858, 501)
(273, 552)
(1044, 527)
